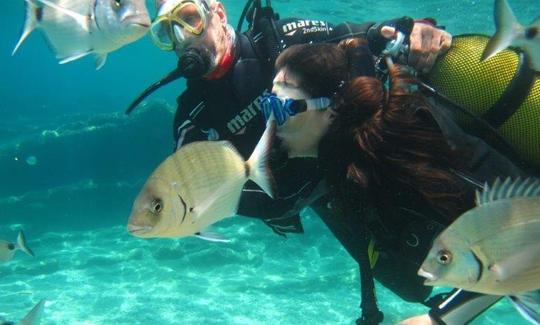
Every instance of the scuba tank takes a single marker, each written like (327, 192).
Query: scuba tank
(497, 100)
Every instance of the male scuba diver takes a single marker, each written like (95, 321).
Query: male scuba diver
(228, 71)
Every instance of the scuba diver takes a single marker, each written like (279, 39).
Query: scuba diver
(228, 71)
(395, 169)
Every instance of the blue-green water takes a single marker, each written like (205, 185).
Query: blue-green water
(71, 164)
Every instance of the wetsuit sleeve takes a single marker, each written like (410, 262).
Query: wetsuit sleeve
(185, 129)
(301, 31)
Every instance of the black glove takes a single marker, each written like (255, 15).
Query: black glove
(377, 43)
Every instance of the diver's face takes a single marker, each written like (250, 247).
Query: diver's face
(302, 132)
(214, 38)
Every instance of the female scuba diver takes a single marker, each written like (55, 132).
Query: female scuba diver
(395, 169)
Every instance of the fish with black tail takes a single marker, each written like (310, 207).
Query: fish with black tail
(511, 33)
(197, 186)
(8, 249)
(77, 28)
(494, 247)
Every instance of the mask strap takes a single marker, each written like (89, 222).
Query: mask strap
(318, 103)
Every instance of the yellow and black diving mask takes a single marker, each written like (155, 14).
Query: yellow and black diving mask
(178, 21)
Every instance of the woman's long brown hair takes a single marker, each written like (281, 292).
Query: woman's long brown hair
(378, 137)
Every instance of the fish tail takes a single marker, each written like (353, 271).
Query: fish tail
(257, 164)
(34, 315)
(507, 29)
(21, 242)
(82, 20)
(30, 23)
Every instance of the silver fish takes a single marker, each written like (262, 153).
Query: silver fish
(8, 249)
(76, 28)
(511, 33)
(494, 247)
(199, 185)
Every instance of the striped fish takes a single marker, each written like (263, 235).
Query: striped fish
(197, 186)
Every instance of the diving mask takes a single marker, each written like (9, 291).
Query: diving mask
(179, 21)
(281, 108)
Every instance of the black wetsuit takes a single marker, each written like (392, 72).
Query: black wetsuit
(402, 225)
(227, 109)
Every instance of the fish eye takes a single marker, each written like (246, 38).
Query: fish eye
(157, 206)
(531, 32)
(117, 3)
(444, 257)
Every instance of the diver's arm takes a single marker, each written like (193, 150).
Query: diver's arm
(302, 31)
(185, 129)
(426, 41)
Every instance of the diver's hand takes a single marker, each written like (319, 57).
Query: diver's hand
(426, 44)
(419, 320)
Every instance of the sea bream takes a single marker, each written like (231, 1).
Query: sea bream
(8, 249)
(197, 186)
(511, 33)
(493, 248)
(76, 28)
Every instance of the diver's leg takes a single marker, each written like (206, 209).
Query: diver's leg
(354, 240)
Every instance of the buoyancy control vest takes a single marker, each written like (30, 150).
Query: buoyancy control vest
(502, 91)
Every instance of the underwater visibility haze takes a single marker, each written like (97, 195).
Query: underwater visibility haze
(72, 163)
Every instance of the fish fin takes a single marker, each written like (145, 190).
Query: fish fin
(516, 263)
(202, 207)
(82, 20)
(100, 60)
(231, 147)
(74, 57)
(507, 30)
(21, 244)
(30, 23)
(528, 304)
(212, 236)
(529, 187)
(259, 170)
(33, 317)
